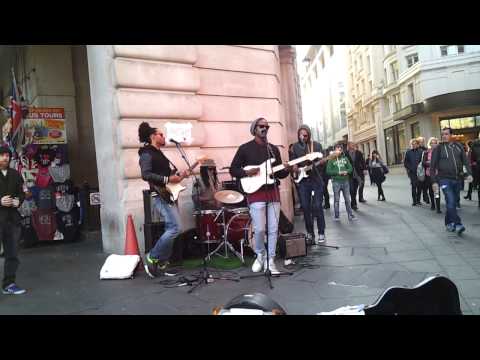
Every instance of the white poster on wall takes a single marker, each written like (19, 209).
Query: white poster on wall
(181, 132)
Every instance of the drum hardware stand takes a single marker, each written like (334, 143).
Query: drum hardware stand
(225, 242)
(267, 272)
(206, 277)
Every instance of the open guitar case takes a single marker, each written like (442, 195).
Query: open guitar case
(436, 295)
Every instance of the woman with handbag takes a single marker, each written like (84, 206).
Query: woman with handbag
(426, 158)
(378, 170)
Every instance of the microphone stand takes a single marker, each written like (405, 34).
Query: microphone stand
(205, 277)
(267, 272)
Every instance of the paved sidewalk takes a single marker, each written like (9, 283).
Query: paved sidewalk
(392, 243)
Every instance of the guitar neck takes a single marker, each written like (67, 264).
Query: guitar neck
(291, 163)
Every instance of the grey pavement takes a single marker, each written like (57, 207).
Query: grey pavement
(391, 244)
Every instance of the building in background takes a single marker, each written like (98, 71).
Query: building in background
(205, 95)
(364, 106)
(323, 83)
(428, 87)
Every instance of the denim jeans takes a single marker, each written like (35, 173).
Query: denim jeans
(312, 207)
(451, 188)
(257, 213)
(344, 187)
(10, 236)
(163, 248)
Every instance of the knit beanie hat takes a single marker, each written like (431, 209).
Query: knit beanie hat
(254, 125)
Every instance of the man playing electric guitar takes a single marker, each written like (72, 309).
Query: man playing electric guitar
(155, 168)
(312, 180)
(251, 155)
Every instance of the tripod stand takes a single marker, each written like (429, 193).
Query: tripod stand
(206, 277)
(268, 203)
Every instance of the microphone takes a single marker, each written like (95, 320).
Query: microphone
(174, 141)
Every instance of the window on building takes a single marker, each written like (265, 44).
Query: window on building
(370, 87)
(322, 61)
(412, 59)
(397, 102)
(355, 66)
(331, 49)
(358, 90)
(385, 75)
(368, 64)
(446, 50)
(415, 128)
(363, 86)
(360, 62)
(315, 71)
(394, 70)
(411, 93)
(387, 106)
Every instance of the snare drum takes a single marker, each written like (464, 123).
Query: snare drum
(209, 226)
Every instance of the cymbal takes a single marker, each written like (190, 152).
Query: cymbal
(228, 196)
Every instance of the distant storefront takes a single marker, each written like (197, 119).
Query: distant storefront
(395, 144)
(465, 128)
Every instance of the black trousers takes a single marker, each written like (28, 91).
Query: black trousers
(379, 189)
(428, 184)
(356, 185)
(326, 195)
(10, 236)
(416, 187)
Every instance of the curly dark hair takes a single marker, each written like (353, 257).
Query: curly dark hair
(144, 132)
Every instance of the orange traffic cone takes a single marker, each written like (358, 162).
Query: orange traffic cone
(131, 242)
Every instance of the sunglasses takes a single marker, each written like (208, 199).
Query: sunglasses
(263, 127)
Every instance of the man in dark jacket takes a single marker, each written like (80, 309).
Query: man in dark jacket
(11, 197)
(423, 184)
(357, 178)
(411, 161)
(314, 182)
(156, 170)
(449, 165)
(267, 198)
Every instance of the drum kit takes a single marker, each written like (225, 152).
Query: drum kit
(228, 226)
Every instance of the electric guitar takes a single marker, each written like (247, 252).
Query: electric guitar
(303, 170)
(171, 191)
(250, 184)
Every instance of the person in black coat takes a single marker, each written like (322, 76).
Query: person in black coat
(357, 179)
(11, 197)
(412, 158)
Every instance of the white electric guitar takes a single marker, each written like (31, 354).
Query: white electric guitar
(173, 190)
(250, 184)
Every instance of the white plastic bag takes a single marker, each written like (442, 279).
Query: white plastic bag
(119, 267)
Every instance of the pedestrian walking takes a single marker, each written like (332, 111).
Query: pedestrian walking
(412, 158)
(423, 184)
(448, 166)
(339, 170)
(378, 170)
(367, 165)
(426, 160)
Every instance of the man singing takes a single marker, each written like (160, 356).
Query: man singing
(256, 152)
(314, 182)
(155, 168)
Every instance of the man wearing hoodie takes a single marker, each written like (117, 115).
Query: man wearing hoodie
(447, 168)
(312, 206)
(155, 169)
(340, 169)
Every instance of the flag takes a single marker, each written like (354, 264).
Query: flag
(16, 108)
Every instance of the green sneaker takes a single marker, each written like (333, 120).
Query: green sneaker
(151, 266)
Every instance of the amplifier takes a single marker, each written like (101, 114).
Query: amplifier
(292, 245)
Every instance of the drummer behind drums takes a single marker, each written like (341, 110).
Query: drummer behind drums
(207, 187)
(255, 153)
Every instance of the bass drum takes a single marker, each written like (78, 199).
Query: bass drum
(239, 233)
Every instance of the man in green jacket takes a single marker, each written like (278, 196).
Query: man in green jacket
(339, 169)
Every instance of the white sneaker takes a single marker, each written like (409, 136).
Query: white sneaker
(258, 264)
(272, 267)
(321, 239)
